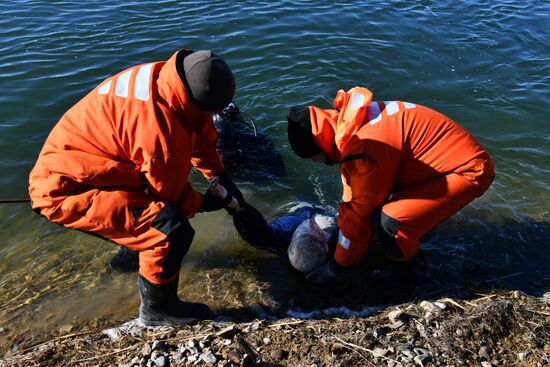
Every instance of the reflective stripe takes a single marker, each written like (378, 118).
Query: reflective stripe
(122, 83)
(356, 101)
(141, 88)
(409, 105)
(105, 88)
(343, 241)
(374, 113)
(392, 108)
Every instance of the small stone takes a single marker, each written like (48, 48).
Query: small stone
(408, 353)
(266, 341)
(192, 358)
(251, 328)
(67, 328)
(484, 353)
(204, 344)
(397, 325)
(160, 359)
(235, 356)
(227, 342)
(422, 359)
(158, 345)
(113, 333)
(277, 354)
(546, 297)
(395, 316)
(430, 307)
(227, 333)
(441, 305)
(191, 343)
(486, 364)
(522, 356)
(421, 351)
(209, 358)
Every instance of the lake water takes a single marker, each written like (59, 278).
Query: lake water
(484, 63)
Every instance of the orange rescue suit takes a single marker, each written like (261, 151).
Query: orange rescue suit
(408, 164)
(121, 154)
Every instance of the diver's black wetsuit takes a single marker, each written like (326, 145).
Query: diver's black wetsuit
(244, 150)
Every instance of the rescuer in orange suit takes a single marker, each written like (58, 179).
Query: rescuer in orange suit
(117, 163)
(405, 168)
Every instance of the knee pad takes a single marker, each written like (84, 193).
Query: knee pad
(175, 225)
(387, 228)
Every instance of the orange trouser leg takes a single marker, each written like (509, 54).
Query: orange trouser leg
(413, 212)
(159, 231)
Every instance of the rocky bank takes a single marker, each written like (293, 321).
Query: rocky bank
(500, 329)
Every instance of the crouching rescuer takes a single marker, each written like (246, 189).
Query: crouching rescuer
(405, 169)
(117, 163)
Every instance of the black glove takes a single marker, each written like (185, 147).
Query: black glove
(212, 203)
(230, 186)
(252, 227)
(325, 273)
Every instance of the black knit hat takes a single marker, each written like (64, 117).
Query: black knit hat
(300, 136)
(210, 80)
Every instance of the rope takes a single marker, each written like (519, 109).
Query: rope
(15, 201)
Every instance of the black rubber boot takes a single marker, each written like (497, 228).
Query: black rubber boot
(125, 261)
(161, 306)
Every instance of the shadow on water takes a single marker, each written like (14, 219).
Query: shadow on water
(480, 258)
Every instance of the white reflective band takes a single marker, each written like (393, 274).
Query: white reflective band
(374, 113)
(356, 101)
(391, 108)
(343, 241)
(122, 83)
(141, 88)
(105, 88)
(409, 105)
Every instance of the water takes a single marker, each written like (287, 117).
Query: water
(486, 64)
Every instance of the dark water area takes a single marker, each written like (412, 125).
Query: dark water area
(485, 64)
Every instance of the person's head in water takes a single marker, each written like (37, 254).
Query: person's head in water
(301, 138)
(228, 134)
(308, 247)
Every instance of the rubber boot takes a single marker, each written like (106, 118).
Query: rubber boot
(161, 306)
(125, 261)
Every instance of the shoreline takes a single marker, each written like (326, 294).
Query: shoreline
(506, 328)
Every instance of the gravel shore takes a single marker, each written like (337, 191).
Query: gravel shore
(501, 329)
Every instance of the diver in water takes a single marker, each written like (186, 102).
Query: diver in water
(244, 151)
